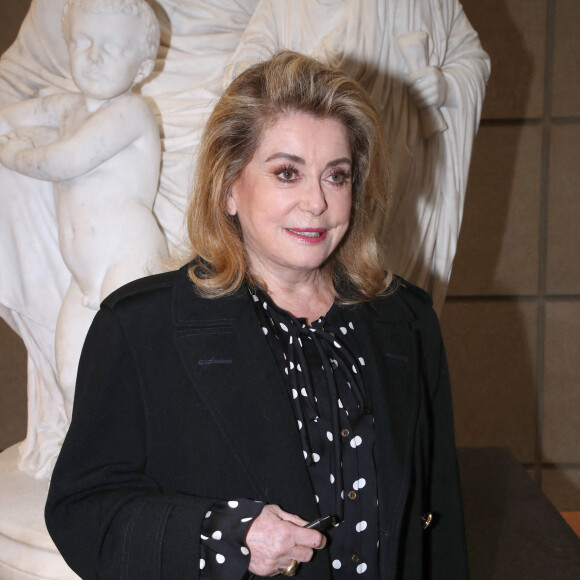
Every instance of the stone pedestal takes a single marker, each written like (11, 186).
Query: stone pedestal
(26, 550)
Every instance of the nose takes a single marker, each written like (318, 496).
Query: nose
(94, 55)
(313, 199)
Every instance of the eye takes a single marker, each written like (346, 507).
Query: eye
(113, 49)
(81, 43)
(287, 174)
(338, 177)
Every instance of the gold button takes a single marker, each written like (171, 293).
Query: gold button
(345, 432)
(355, 558)
(427, 519)
(352, 494)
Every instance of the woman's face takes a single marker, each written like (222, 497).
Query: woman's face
(293, 199)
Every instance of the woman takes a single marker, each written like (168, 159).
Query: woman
(279, 377)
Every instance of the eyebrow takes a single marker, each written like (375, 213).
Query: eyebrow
(297, 159)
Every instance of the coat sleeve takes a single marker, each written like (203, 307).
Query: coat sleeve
(445, 549)
(108, 518)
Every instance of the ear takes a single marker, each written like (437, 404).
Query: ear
(144, 71)
(231, 206)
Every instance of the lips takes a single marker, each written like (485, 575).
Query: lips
(309, 235)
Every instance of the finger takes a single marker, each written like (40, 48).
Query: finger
(293, 518)
(309, 538)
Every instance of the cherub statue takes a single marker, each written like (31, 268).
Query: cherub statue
(101, 149)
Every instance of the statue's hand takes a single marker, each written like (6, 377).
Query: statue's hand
(427, 87)
(10, 145)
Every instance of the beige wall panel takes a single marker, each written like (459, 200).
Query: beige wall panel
(12, 387)
(561, 423)
(563, 275)
(498, 246)
(562, 486)
(514, 34)
(566, 75)
(491, 348)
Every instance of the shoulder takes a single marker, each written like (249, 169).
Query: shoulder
(405, 301)
(151, 288)
(134, 104)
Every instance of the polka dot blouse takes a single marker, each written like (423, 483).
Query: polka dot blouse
(323, 369)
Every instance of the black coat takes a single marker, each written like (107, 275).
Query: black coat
(179, 403)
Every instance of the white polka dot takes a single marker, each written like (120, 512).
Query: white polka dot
(350, 326)
(336, 344)
(265, 305)
(329, 436)
(355, 441)
(244, 520)
(208, 514)
(331, 478)
(336, 564)
(244, 550)
(361, 526)
(201, 564)
(340, 404)
(343, 330)
(264, 330)
(316, 498)
(217, 535)
(299, 368)
(342, 494)
(255, 298)
(233, 504)
(220, 558)
(299, 341)
(361, 568)
(299, 422)
(286, 370)
(283, 327)
(305, 454)
(291, 339)
(359, 483)
(303, 392)
(315, 457)
(291, 365)
(294, 393)
(361, 360)
(354, 370)
(334, 362)
(204, 537)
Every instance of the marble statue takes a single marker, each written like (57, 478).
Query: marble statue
(101, 149)
(181, 91)
(424, 67)
(420, 60)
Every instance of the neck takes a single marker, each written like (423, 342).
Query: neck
(308, 296)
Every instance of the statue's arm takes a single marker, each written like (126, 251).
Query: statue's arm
(44, 111)
(466, 66)
(103, 135)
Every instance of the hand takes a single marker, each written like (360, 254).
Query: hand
(427, 87)
(276, 537)
(10, 145)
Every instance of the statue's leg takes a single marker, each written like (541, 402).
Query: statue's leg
(74, 320)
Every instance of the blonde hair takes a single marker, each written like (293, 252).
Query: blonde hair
(288, 82)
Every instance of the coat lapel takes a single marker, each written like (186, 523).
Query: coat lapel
(230, 364)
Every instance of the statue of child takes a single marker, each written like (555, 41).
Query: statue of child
(101, 148)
